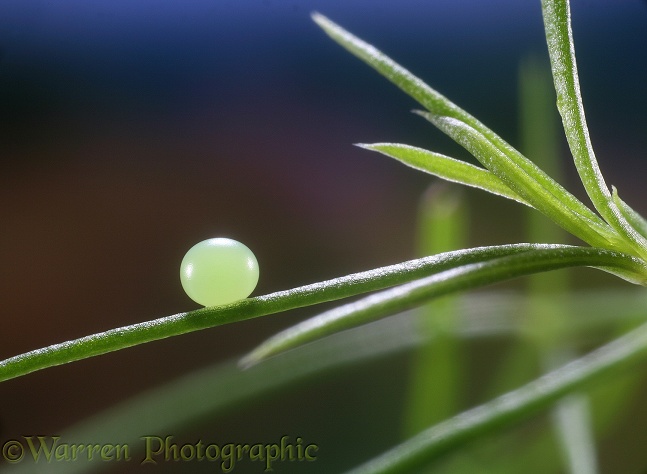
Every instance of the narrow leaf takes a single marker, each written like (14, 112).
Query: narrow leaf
(559, 35)
(437, 376)
(569, 100)
(219, 391)
(222, 388)
(446, 168)
(527, 183)
(637, 221)
(343, 287)
(511, 407)
(571, 416)
(461, 277)
(440, 106)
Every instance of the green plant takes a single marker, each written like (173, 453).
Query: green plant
(617, 239)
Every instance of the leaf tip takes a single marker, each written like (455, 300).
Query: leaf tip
(365, 146)
(320, 19)
(255, 357)
(247, 362)
(381, 147)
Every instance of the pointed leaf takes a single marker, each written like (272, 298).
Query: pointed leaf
(342, 287)
(440, 106)
(559, 35)
(447, 168)
(637, 221)
(546, 196)
(465, 275)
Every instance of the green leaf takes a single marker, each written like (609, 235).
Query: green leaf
(529, 182)
(473, 272)
(637, 221)
(510, 407)
(437, 378)
(221, 390)
(559, 35)
(446, 168)
(330, 290)
(569, 101)
(443, 112)
(571, 417)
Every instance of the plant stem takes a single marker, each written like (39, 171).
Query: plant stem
(343, 287)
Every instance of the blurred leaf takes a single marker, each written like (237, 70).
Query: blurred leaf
(511, 407)
(438, 370)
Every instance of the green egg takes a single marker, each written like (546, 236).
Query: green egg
(218, 271)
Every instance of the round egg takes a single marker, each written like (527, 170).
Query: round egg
(218, 271)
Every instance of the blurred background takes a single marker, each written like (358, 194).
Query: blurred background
(131, 130)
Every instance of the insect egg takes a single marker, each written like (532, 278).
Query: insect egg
(218, 271)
